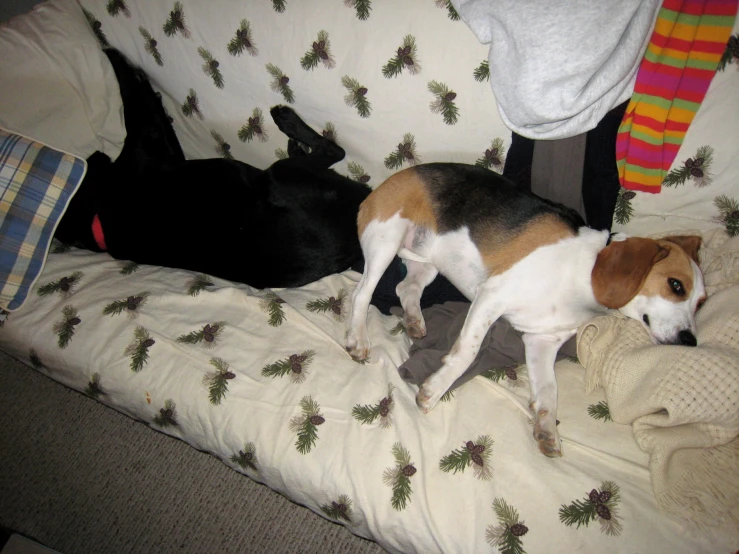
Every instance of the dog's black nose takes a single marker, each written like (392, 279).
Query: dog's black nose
(687, 338)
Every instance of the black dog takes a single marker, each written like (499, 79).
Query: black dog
(285, 226)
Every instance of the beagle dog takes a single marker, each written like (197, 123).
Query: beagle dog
(521, 257)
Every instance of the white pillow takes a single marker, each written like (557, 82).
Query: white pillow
(56, 83)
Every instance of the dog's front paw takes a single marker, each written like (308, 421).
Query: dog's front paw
(427, 397)
(547, 437)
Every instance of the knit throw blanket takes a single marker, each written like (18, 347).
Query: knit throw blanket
(686, 47)
(683, 405)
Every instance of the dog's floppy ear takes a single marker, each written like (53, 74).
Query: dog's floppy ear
(690, 243)
(621, 269)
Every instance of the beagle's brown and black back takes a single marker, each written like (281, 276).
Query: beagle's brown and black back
(472, 196)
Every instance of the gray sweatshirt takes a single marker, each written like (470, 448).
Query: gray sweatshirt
(557, 66)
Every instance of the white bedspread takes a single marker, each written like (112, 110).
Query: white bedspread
(275, 396)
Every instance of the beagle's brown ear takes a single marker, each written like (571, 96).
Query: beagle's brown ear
(690, 243)
(621, 269)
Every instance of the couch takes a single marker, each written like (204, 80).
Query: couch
(260, 378)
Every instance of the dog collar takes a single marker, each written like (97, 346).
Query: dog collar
(97, 233)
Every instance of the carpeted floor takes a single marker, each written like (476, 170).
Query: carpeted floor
(81, 478)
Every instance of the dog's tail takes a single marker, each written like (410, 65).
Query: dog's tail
(150, 137)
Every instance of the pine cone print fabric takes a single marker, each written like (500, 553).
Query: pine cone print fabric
(357, 63)
(349, 436)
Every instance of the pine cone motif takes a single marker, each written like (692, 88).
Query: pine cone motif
(74, 321)
(510, 372)
(603, 511)
(449, 96)
(177, 21)
(209, 332)
(284, 80)
(629, 195)
(493, 156)
(404, 55)
(385, 406)
(243, 37)
(518, 529)
(362, 91)
(604, 497)
(733, 45)
(320, 49)
(229, 375)
(296, 363)
(405, 149)
(695, 167)
(148, 343)
(594, 496)
(317, 420)
(409, 470)
(335, 304)
(65, 284)
(132, 302)
(475, 451)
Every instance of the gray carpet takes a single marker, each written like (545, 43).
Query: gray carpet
(80, 477)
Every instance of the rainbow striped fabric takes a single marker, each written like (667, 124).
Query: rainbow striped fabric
(683, 53)
(36, 184)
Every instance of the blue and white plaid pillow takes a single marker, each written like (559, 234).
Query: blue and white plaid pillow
(36, 185)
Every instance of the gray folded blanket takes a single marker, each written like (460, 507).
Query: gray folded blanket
(501, 347)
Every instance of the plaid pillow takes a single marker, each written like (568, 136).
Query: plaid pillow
(36, 185)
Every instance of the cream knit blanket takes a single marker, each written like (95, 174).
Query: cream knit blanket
(683, 405)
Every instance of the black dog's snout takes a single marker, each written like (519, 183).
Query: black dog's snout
(687, 338)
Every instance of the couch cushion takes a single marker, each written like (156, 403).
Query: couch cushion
(36, 185)
(57, 84)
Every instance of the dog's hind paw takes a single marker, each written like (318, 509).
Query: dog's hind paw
(415, 328)
(285, 118)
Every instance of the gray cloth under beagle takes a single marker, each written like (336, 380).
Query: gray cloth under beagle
(501, 347)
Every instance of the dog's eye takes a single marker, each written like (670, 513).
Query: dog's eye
(676, 286)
